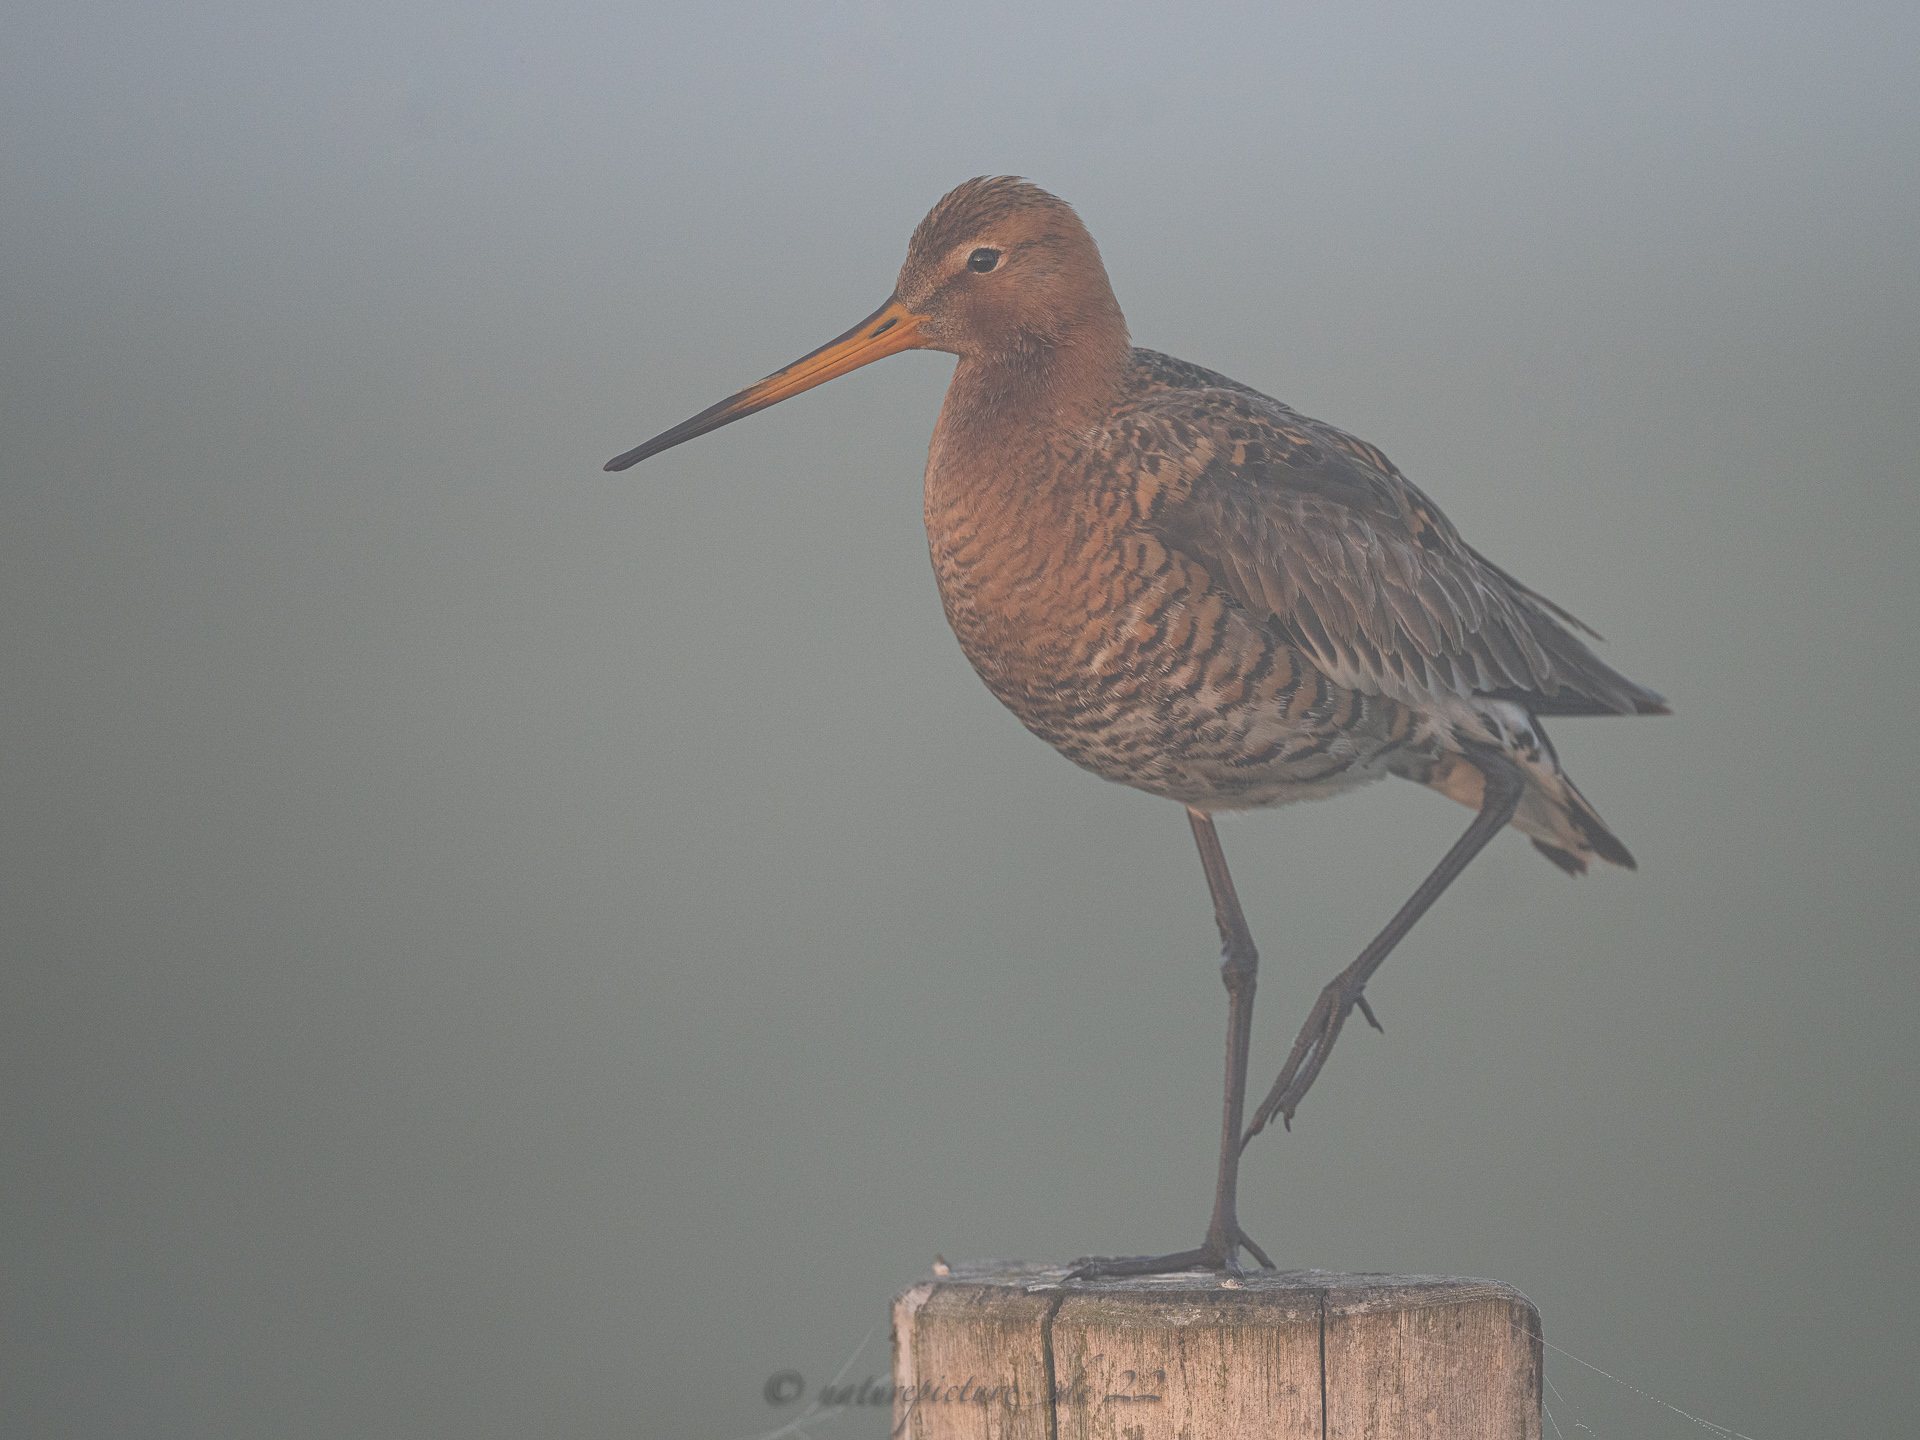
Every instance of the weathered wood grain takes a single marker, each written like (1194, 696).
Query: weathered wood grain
(1006, 1351)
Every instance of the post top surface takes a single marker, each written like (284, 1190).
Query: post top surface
(1340, 1291)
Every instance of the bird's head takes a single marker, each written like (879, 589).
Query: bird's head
(1000, 273)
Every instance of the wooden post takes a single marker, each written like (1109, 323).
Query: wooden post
(1000, 1350)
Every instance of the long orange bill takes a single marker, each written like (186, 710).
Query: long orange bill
(889, 330)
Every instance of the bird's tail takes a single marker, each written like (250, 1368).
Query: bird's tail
(1552, 812)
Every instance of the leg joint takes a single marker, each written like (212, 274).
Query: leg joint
(1237, 955)
(1506, 781)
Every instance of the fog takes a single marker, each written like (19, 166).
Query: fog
(494, 948)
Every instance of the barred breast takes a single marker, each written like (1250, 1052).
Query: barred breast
(1126, 654)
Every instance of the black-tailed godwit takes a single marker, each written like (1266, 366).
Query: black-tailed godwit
(1185, 586)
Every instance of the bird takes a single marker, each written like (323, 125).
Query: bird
(1186, 586)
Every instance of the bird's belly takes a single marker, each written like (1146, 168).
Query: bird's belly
(1172, 690)
(1218, 761)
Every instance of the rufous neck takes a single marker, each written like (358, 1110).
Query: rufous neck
(1072, 385)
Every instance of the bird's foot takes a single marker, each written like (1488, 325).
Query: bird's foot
(1207, 1257)
(1310, 1050)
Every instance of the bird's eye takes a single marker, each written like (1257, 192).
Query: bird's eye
(983, 260)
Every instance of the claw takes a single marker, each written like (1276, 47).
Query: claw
(1254, 1250)
(1310, 1050)
(1367, 1010)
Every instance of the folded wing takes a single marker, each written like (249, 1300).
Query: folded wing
(1317, 533)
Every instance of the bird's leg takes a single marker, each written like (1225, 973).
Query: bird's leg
(1344, 992)
(1238, 966)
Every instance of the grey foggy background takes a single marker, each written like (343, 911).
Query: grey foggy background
(494, 949)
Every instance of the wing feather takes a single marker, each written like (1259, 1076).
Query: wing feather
(1318, 533)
